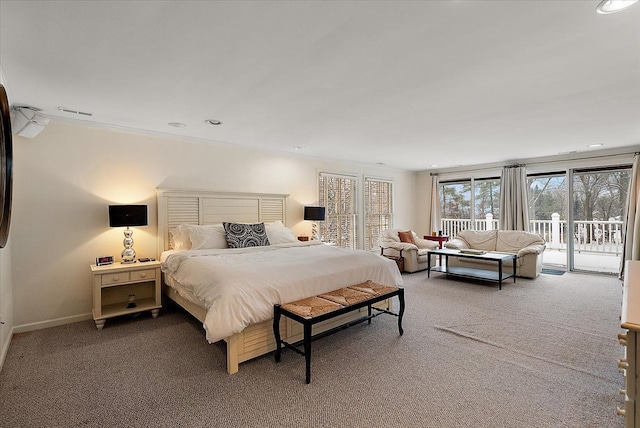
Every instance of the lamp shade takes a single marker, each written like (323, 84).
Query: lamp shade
(314, 213)
(127, 215)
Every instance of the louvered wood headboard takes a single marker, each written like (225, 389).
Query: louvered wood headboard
(204, 207)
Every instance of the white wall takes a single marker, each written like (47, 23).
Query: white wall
(66, 176)
(6, 301)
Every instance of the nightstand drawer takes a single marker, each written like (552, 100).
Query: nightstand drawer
(141, 275)
(115, 278)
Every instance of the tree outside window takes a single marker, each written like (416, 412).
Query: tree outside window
(378, 207)
(337, 193)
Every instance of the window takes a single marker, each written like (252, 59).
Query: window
(337, 193)
(378, 208)
(455, 199)
(486, 202)
(469, 204)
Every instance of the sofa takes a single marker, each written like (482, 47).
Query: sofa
(528, 247)
(406, 244)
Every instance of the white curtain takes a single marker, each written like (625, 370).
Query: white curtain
(631, 243)
(514, 208)
(435, 205)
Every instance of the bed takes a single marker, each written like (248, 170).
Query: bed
(232, 290)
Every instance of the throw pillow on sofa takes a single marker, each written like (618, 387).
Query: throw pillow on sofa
(406, 237)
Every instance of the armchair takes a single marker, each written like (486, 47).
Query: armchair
(415, 254)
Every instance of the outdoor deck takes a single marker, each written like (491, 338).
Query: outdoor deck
(592, 262)
(597, 244)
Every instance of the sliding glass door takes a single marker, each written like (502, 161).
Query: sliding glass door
(548, 215)
(598, 197)
(579, 213)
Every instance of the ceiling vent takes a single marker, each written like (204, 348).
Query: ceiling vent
(72, 111)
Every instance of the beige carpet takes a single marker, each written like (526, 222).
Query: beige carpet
(539, 353)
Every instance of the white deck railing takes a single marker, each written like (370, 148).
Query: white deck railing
(597, 236)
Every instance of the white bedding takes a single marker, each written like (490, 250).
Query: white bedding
(240, 286)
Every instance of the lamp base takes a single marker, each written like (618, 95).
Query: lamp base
(128, 254)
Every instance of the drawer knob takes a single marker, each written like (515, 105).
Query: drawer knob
(116, 278)
(622, 338)
(620, 411)
(623, 364)
(143, 275)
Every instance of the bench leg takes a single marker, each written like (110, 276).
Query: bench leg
(401, 311)
(307, 349)
(276, 331)
(369, 313)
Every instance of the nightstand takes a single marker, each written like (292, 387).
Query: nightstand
(121, 289)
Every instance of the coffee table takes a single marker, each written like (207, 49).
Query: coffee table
(475, 273)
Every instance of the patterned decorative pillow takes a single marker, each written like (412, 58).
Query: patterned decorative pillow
(241, 235)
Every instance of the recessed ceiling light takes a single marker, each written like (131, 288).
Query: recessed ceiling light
(434, 165)
(177, 124)
(380, 163)
(612, 6)
(298, 148)
(595, 145)
(213, 122)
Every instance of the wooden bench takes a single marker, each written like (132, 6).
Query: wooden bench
(313, 310)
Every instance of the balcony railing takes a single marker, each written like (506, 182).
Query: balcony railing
(597, 236)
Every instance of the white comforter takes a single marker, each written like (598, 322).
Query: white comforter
(240, 286)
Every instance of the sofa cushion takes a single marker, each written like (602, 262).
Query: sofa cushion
(406, 237)
(479, 239)
(512, 241)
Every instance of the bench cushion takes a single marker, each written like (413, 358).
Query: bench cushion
(343, 297)
(311, 307)
(373, 288)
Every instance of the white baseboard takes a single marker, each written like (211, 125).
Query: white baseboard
(38, 326)
(5, 348)
(50, 323)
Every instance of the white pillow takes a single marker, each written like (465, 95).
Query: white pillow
(196, 237)
(278, 233)
(208, 237)
(178, 238)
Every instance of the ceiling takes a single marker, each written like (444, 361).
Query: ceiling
(407, 84)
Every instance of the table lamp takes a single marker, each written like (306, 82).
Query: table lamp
(125, 216)
(314, 214)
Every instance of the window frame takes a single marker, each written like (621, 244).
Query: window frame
(384, 217)
(348, 223)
